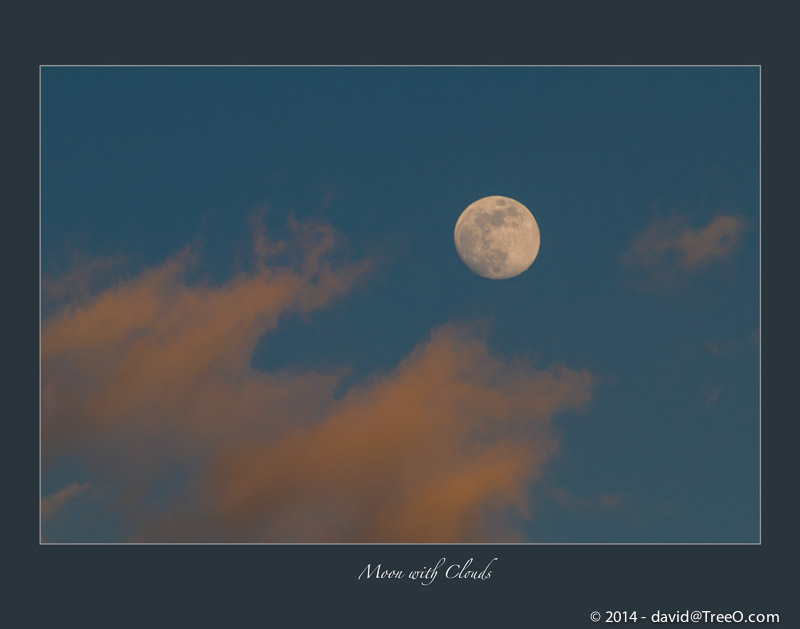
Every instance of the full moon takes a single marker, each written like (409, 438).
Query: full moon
(497, 237)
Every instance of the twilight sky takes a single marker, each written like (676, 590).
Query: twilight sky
(256, 326)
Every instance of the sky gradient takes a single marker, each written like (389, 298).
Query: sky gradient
(256, 326)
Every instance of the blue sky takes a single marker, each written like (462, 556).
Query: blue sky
(138, 163)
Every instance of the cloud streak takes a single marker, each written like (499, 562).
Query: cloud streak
(670, 250)
(54, 503)
(151, 380)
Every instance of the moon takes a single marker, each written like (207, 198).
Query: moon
(497, 237)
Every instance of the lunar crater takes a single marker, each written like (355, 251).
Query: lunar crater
(497, 242)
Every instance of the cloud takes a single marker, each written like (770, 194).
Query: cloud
(150, 383)
(730, 347)
(77, 283)
(53, 503)
(669, 249)
(712, 397)
(426, 453)
(722, 348)
(572, 502)
(157, 351)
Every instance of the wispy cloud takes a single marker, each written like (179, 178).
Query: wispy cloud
(572, 502)
(728, 347)
(712, 397)
(83, 275)
(55, 502)
(153, 375)
(669, 250)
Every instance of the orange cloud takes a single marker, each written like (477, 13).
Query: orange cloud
(152, 371)
(152, 377)
(670, 248)
(78, 282)
(427, 453)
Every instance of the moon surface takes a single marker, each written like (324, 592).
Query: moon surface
(497, 237)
